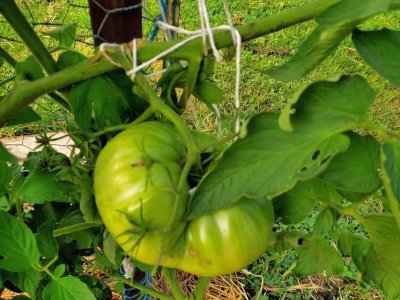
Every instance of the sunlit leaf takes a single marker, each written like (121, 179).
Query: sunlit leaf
(269, 161)
(335, 24)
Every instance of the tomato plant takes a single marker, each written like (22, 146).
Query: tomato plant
(127, 189)
(136, 189)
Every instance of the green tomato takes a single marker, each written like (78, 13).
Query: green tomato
(227, 240)
(136, 178)
(135, 181)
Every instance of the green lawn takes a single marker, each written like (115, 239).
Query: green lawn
(258, 93)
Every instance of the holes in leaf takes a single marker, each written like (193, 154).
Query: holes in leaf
(315, 155)
(325, 160)
(303, 169)
(300, 241)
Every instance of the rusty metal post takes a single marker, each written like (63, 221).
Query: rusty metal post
(119, 27)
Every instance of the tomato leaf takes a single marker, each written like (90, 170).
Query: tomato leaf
(342, 105)
(6, 176)
(105, 99)
(17, 241)
(5, 155)
(354, 246)
(109, 247)
(59, 270)
(391, 175)
(295, 205)
(30, 68)
(382, 261)
(334, 25)
(315, 256)
(27, 115)
(65, 35)
(326, 219)
(381, 50)
(269, 161)
(86, 200)
(256, 166)
(356, 169)
(28, 281)
(67, 288)
(68, 59)
(208, 92)
(47, 244)
(40, 187)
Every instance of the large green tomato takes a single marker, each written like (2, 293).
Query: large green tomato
(135, 181)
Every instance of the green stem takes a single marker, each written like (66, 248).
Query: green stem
(144, 116)
(7, 57)
(51, 262)
(385, 134)
(12, 62)
(18, 206)
(142, 288)
(159, 106)
(350, 210)
(11, 12)
(201, 288)
(169, 275)
(26, 93)
(222, 141)
(392, 199)
(74, 228)
(46, 270)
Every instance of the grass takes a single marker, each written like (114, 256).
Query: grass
(258, 93)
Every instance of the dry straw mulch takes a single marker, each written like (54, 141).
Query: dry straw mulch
(227, 287)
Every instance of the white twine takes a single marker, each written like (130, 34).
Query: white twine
(155, 73)
(144, 12)
(205, 21)
(161, 55)
(237, 40)
(207, 31)
(134, 59)
(103, 50)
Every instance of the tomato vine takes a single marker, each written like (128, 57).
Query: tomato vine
(125, 192)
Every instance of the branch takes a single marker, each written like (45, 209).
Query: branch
(27, 92)
(7, 57)
(17, 20)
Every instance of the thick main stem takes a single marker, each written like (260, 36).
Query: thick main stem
(26, 93)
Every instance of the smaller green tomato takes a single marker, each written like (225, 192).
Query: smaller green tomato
(229, 239)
